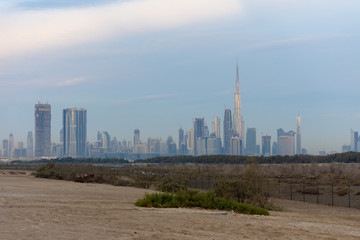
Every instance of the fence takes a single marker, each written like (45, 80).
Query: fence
(340, 192)
(335, 192)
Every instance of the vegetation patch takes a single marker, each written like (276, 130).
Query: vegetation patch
(194, 199)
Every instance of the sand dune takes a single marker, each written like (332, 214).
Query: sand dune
(32, 208)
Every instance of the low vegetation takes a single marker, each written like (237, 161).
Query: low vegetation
(194, 199)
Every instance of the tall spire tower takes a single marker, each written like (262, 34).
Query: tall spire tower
(238, 122)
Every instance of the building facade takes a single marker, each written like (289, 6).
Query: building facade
(42, 130)
(75, 125)
(228, 133)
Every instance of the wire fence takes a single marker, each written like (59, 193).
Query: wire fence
(340, 192)
(334, 192)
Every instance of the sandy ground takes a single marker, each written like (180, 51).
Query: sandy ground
(32, 208)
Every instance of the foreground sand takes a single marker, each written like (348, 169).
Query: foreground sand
(32, 208)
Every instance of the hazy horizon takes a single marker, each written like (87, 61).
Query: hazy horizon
(156, 65)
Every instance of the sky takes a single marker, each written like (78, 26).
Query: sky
(156, 65)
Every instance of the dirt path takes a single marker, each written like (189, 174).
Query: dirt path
(32, 208)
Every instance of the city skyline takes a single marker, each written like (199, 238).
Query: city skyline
(157, 74)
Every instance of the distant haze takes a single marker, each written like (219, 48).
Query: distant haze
(156, 65)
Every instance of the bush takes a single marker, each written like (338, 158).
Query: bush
(49, 170)
(246, 189)
(192, 198)
(169, 184)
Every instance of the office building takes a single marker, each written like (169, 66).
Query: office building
(228, 133)
(42, 130)
(266, 145)
(286, 145)
(74, 125)
(251, 141)
(199, 131)
(136, 136)
(354, 141)
(190, 142)
(286, 142)
(5, 147)
(298, 136)
(30, 145)
(11, 145)
(236, 146)
(216, 126)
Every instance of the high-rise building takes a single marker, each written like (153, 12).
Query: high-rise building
(190, 143)
(182, 142)
(74, 125)
(236, 146)
(274, 149)
(284, 140)
(228, 133)
(213, 145)
(199, 131)
(42, 130)
(286, 145)
(266, 145)
(5, 147)
(251, 141)
(11, 145)
(238, 124)
(30, 145)
(136, 136)
(354, 141)
(216, 126)
(298, 136)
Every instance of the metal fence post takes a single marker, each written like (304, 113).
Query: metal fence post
(332, 194)
(303, 189)
(317, 193)
(291, 197)
(349, 195)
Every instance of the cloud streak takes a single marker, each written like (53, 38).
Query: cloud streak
(28, 31)
(72, 82)
(293, 41)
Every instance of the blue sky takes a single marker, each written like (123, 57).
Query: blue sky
(157, 64)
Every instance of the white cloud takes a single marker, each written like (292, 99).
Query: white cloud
(34, 30)
(72, 82)
(294, 41)
(43, 83)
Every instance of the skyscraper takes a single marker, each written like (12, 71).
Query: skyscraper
(354, 140)
(266, 145)
(285, 142)
(199, 131)
(182, 143)
(298, 135)
(42, 130)
(216, 126)
(11, 145)
(5, 148)
(251, 141)
(30, 145)
(227, 130)
(136, 136)
(190, 143)
(238, 124)
(74, 125)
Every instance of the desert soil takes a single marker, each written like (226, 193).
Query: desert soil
(32, 208)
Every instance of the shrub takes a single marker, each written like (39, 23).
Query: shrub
(192, 198)
(171, 185)
(49, 170)
(246, 189)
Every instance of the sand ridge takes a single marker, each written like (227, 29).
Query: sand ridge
(32, 208)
